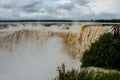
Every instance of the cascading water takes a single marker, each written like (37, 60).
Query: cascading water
(34, 51)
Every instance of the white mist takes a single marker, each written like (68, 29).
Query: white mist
(27, 62)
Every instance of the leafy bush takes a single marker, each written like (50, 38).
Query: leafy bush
(69, 75)
(75, 75)
(103, 53)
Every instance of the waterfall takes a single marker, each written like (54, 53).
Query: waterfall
(34, 51)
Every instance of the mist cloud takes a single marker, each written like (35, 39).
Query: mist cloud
(29, 62)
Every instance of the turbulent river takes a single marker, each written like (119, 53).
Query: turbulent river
(33, 51)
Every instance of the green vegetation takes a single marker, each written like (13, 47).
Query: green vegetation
(103, 53)
(116, 30)
(75, 75)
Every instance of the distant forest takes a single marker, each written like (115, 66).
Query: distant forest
(100, 20)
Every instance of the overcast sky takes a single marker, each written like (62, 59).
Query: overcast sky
(59, 9)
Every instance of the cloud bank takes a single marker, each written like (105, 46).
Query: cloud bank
(59, 9)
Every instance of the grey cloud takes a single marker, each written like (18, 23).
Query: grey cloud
(67, 6)
(34, 7)
(80, 2)
(63, 9)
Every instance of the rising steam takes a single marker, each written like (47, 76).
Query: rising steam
(31, 63)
